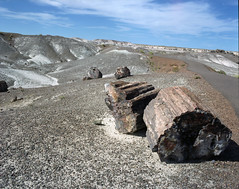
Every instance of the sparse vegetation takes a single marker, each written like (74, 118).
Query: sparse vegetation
(10, 37)
(213, 70)
(236, 76)
(151, 53)
(151, 63)
(141, 51)
(221, 72)
(62, 97)
(175, 69)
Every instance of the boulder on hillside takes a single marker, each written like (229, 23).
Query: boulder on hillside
(122, 72)
(94, 73)
(3, 86)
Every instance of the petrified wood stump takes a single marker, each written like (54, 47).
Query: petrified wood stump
(94, 73)
(122, 72)
(180, 130)
(127, 102)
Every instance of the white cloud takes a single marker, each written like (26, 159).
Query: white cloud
(42, 18)
(179, 18)
(123, 28)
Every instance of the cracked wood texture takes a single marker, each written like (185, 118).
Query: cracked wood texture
(179, 130)
(127, 102)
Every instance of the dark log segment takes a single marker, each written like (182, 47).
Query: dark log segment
(122, 72)
(94, 73)
(180, 130)
(128, 101)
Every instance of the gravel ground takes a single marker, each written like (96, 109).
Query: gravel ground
(49, 139)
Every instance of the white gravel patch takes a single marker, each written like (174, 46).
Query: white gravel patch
(80, 57)
(108, 75)
(219, 59)
(58, 48)
(39, 59)
(121, 52)
(110, 130)
(28, 79)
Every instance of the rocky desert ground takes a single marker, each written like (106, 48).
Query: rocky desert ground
(57, 132)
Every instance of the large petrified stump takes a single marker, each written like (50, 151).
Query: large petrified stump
(180, 130)
(127, 102)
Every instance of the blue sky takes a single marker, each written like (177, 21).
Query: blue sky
(208, 24)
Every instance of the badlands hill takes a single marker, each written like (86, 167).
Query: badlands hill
(50, 131)
(35, 61)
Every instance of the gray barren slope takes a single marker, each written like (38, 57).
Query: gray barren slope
(25, 61)
(50, 139)
(107, 62)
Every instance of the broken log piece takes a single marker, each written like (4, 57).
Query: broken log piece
(122, 72)
(94, 73)
(127, 102)
(180, 130)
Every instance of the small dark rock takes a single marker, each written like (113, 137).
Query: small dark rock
(98, 122)
(16, 99)
(3, 86)
(122, 72)
(94, 73)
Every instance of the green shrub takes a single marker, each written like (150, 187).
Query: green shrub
(221, 72)
(175, 69)
(141, 51)
(62, 97)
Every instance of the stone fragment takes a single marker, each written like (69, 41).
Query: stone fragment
(122, 72)
(94, 73)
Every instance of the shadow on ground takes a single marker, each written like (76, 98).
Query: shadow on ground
(231, 153)
(140, 133)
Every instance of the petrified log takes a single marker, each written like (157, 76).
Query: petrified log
(94, 73)
(128, 101)
(179, 130)
(3, 86)
(122, 72)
